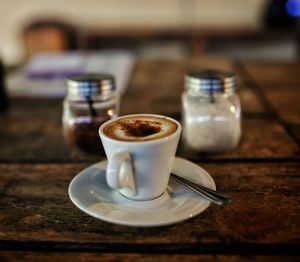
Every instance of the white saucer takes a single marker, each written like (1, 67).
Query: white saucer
(90, 193)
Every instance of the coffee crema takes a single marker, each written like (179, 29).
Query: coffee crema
(140, 128)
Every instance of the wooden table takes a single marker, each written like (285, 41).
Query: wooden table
(196, 38)
(39, 222)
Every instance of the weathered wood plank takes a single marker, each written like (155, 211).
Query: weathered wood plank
(156, 87)
(112, 257)
(286, 103)
(274, 75)
(37, 109)
(159, 102)
(296, 131)
(43, 141)
(278, 86)
(261, 139)
(263, 217)
(264, 211)
(250, 102)
(34, 146)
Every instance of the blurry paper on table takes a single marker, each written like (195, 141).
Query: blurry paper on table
(45, 74)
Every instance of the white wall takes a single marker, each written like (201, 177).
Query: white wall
(14, 14)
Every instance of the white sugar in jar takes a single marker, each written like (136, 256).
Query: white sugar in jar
(211, 112)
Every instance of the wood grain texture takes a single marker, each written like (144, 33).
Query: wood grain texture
(38, 222)
(155, 87)
(43, 141)
(262, 138)
(296, 131)
(281, 95)
(274, 75)
(113, 257)
(286, 103)
(36, 212)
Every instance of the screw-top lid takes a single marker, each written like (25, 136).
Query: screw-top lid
(210, 81)
(90, 86)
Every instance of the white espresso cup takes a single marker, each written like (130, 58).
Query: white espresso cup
(139, 165)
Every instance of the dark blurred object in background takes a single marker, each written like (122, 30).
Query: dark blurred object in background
(49, 36)
(282, 14)
(3, 95)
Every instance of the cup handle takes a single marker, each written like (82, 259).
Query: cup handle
(119, 173)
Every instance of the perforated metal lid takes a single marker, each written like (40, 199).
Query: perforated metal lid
(90, 86)
(210, 81)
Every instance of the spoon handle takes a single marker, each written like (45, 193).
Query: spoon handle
(209, 194)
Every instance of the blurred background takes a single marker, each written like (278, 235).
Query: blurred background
(247, 29)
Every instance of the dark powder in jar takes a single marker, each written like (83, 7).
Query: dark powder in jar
(84, 135)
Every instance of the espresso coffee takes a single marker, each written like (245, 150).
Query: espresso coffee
(140, 128)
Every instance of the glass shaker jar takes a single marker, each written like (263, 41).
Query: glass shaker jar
(211, 112)
(90, 101)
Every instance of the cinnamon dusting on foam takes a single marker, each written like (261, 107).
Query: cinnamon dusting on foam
(140, 128)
